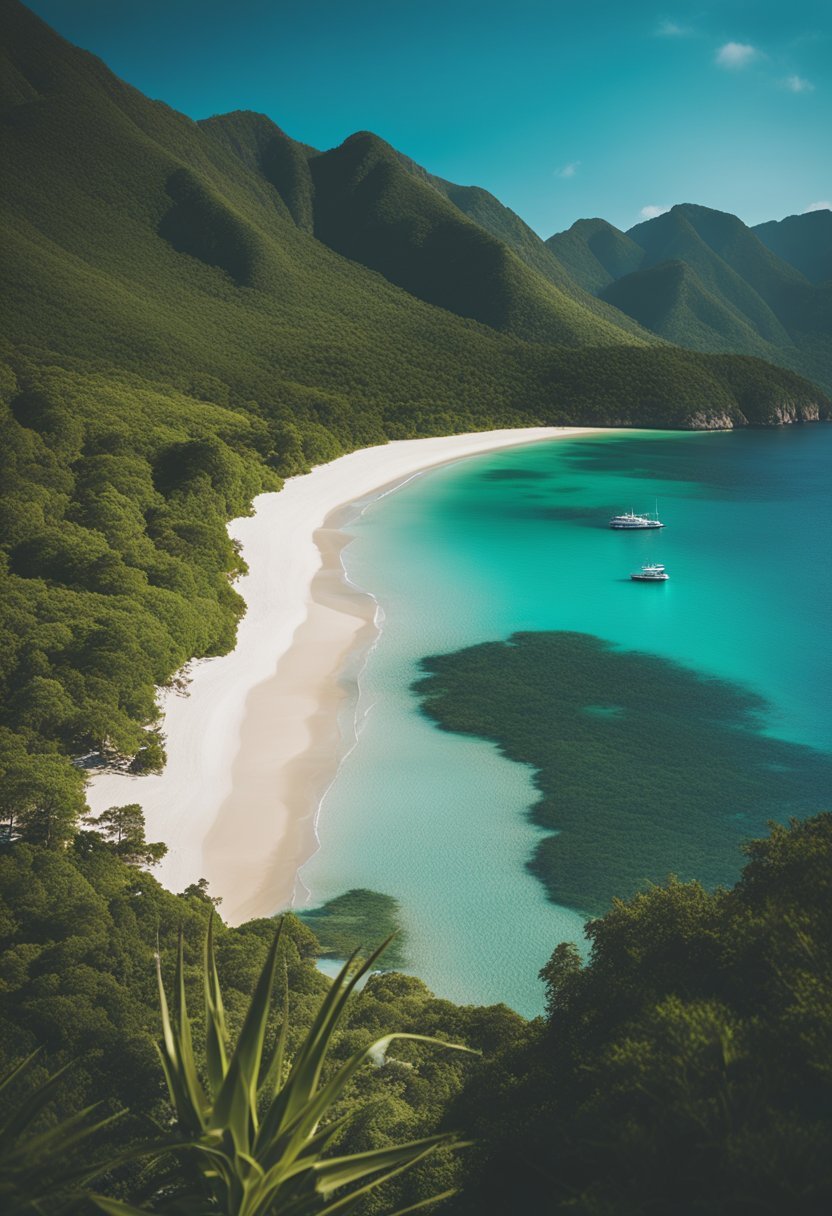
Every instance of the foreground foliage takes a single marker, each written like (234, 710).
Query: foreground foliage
(253, 1127)
(79, 930)
(44, 1166)
(686, 1067)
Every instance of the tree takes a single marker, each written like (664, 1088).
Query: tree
(199, 890)
(41, 794)
(123, 828)
(45, 1165)
(559, 976)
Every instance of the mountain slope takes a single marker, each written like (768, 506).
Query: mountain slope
(595, 253)
(489, 213)
(702, 279)
(372, 210)
(804, 241)
(671, 298)
(716, 246)
(181, 251)
(361, 201)
(356, 199)
(265, 149)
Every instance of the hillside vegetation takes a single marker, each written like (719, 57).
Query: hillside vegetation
(684, 1067)
(702, 279)
(804, 241)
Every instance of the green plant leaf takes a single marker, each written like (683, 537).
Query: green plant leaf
(216, 1030)
(235, 1107)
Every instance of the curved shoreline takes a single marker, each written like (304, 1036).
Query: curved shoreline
(257, 740)
(314, 686)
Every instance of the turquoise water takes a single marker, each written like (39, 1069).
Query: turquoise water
(511, 541)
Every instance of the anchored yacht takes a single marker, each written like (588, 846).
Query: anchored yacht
(653, 572)
(632, 521)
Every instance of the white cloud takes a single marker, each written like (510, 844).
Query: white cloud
(736, 55)
(651, 211)
(672, 29)
(824, 205)
(797, 84)
(568, 170)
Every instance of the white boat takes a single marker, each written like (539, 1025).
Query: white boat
(629, 520)
(652, 572)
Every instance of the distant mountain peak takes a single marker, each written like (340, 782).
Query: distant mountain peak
(804, 241)
(700, 277)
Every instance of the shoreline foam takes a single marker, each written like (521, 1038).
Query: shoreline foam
(257, 741)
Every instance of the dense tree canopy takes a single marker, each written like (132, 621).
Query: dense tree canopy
(684, 1067)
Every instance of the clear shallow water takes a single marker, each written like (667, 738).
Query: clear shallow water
(516, 541)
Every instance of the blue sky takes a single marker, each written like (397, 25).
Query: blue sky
(562, 110)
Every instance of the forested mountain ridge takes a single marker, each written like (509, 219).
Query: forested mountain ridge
(595, 253)
(702, 279)
(368, 202)
(805, 241)
(492, 215)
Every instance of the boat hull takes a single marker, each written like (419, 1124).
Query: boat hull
(635, 527)
(649, 578)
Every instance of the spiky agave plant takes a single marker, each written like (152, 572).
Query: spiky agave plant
(254, 1130)
(46, 1167)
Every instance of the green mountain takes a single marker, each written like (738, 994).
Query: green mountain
(361, 201)
(595, 253)
(190, 311)
(702, 279)
(804, 241)
(492, 215)
(672, 299)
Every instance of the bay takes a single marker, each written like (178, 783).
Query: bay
(517, 541)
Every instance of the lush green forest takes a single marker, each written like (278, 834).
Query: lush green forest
(703, 279)
(804, 241)
(684, 1067)
(79, 929)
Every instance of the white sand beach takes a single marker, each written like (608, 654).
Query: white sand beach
(254, 741)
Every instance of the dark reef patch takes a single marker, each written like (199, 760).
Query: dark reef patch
(589, 516)
(671, 781)
(357, 920)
